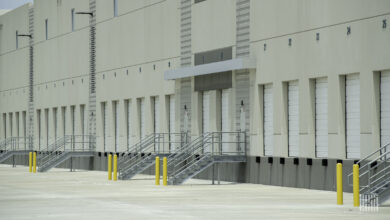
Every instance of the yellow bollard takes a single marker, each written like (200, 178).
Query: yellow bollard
(339, 174)
(109, 167)
(356, 188)
(35, 162)
(30, 162)
(165, 176)
(115, 167)
(157, 170)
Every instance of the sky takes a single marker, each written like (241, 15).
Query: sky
(11, 4)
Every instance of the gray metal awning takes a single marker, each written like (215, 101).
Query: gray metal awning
(217, 67)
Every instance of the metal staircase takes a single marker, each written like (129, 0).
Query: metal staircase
(203, 152)
(13, 146)
(374, 177)
(64, 148)
(142, 155)
(4, 149)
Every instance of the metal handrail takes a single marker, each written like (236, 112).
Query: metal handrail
(187, 149)
(206, 145)
(5, 143)
(379, 150)
(148, 147)
(193, 162)
(144, 145)
(370, 165)
(361, 174)
(378, 176)
(56, 149)
(60, 147)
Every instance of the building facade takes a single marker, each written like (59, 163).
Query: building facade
(308, 81)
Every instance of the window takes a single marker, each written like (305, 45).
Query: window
(16, 38)
(46, 29)
(72, 15)
(115, 8)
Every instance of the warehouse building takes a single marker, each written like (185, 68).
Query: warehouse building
(293, 86)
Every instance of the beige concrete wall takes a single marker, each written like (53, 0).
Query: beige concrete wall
(136, 47)
(133, 51)
(144, 35)
(14, 69)
(336, 54)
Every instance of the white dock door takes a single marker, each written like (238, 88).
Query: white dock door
(352, 105)
(268, 121)
(172, 123)
(385, 108)
(321, 101)
(293, 119)
(142, 118)
(225, 122)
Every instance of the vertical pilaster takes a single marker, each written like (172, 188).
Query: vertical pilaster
(92, 77)
(30, 121)
(185, 60)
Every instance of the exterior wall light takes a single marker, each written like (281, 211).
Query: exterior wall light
(348, 30)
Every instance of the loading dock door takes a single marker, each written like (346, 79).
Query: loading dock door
(156, 115)
(352, 105)
(293, 119)
(206, 115)
(116, 125)
(268, 121)
(104, 126)
(385, 108)
(225, 122)
(321, 101)
(172, 122)
(142, 118)
(206, 112)
(128, 123)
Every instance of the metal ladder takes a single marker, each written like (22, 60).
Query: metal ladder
(142, 155)
(64, 148)
(374, 177)
(203, 152)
